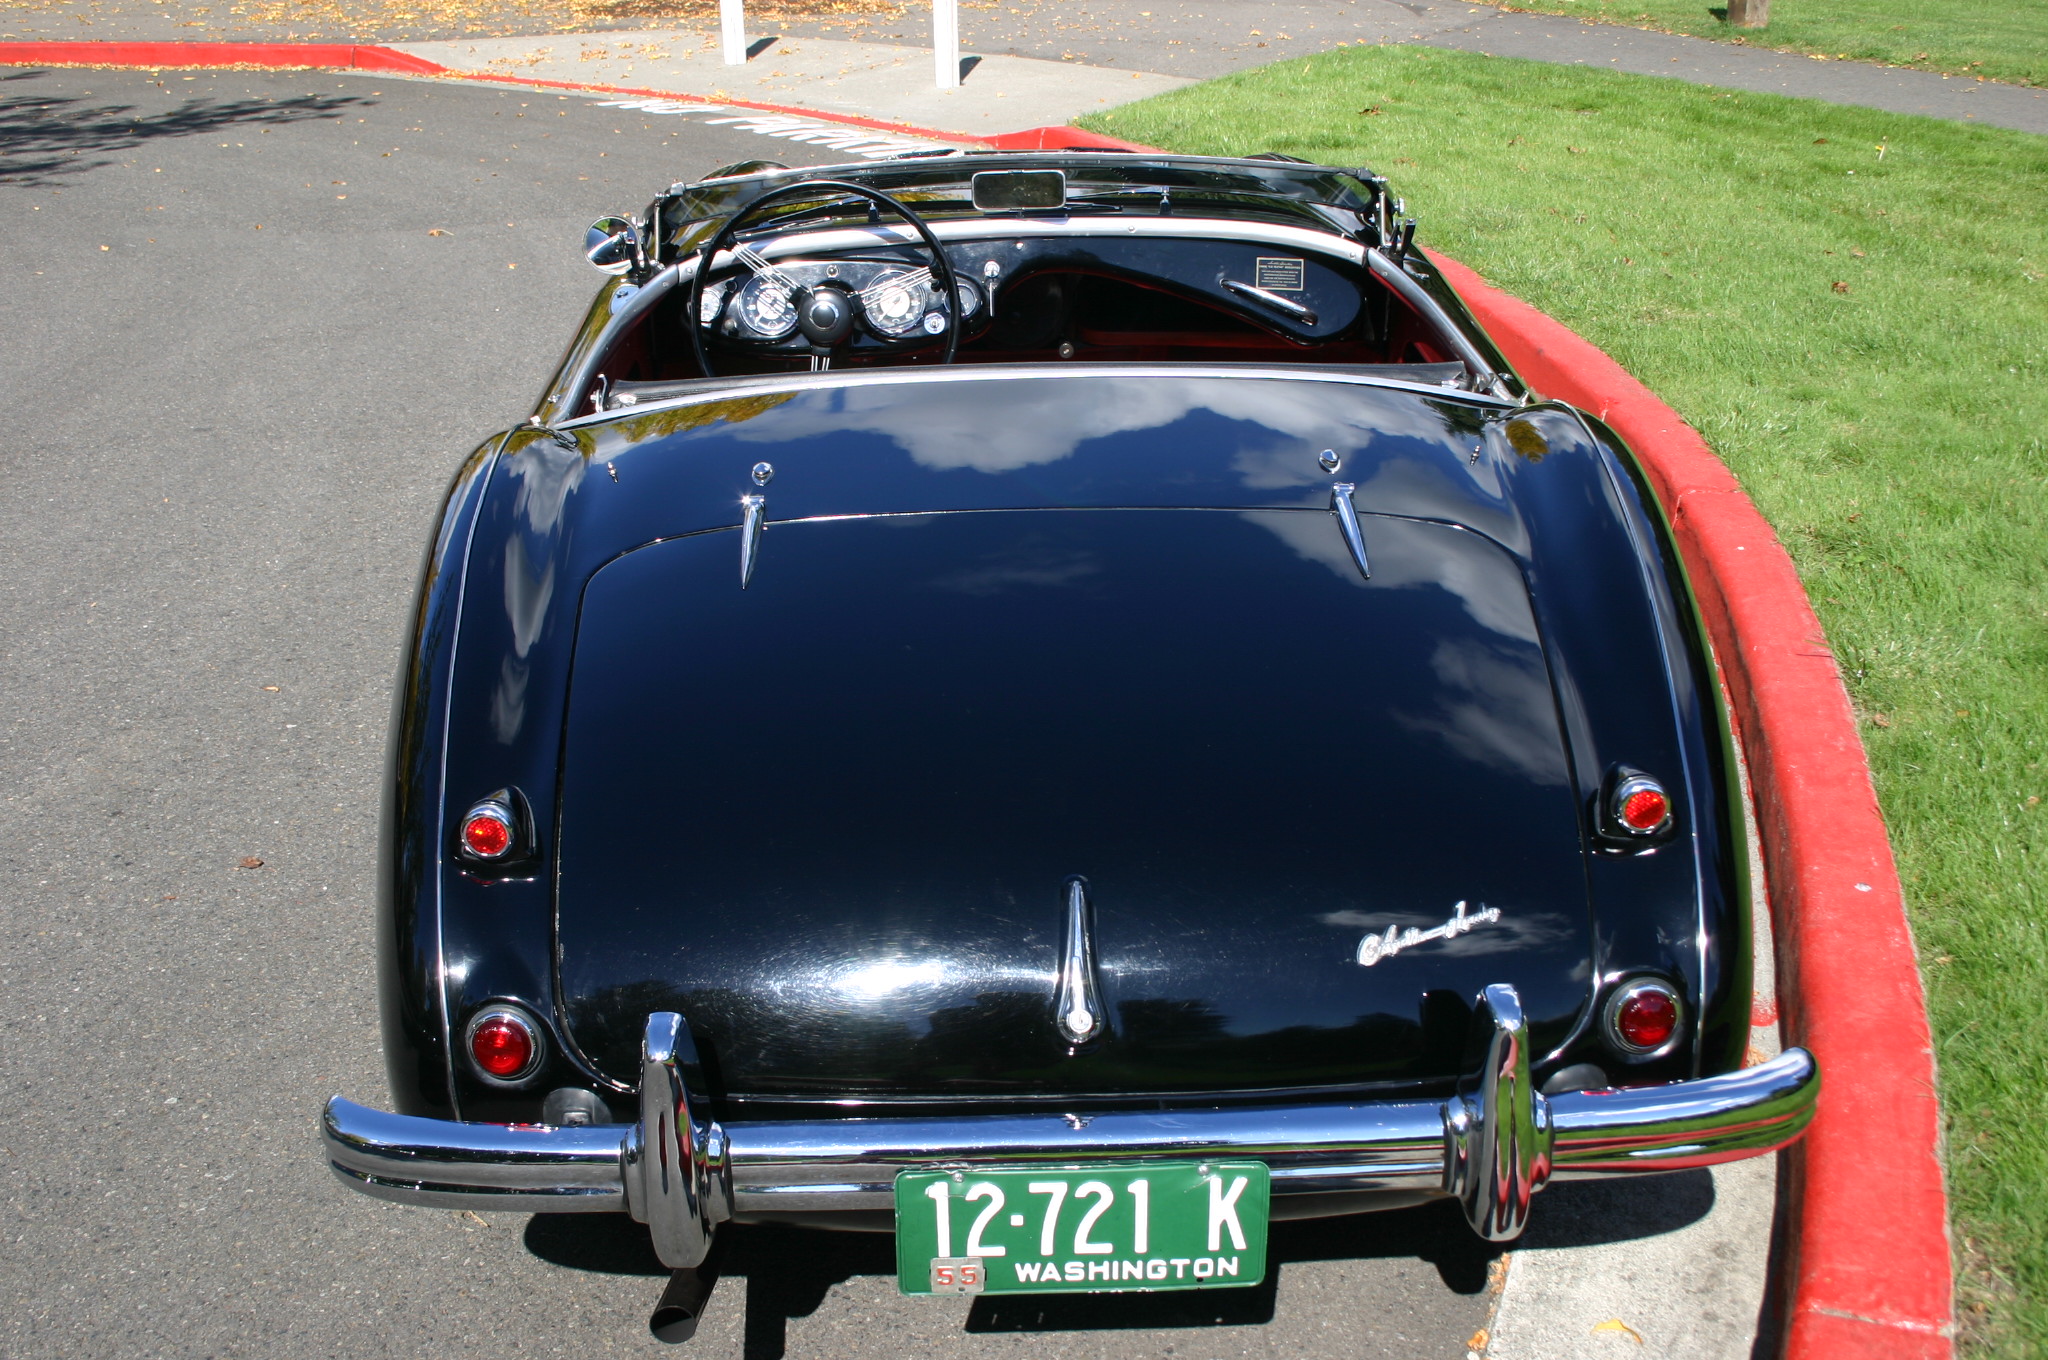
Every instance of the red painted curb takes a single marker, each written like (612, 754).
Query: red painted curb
(1060, 139)
(1869, 1268)
(177, 56)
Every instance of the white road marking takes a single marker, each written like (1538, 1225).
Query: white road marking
(865, 142)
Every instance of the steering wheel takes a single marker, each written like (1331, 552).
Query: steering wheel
(826, 312)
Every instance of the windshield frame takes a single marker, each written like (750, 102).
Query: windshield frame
(1349, 203)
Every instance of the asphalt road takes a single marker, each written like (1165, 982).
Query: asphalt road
(249, 325)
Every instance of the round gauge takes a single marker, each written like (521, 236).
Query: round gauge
(895, 302)
(765, 310)
(714, 298)
(970, 298)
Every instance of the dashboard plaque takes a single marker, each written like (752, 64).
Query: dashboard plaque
(1279, 274)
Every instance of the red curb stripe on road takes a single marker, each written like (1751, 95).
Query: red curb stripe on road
(1869, 1267)
(1061, 139)
(176, 56)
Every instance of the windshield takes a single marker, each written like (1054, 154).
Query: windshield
(1305, 195)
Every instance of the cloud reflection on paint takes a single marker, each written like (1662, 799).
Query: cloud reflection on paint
(1402, 555)
(1495, 707)
(1003, 426)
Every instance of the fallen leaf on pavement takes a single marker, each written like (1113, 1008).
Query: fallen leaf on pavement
(250, 862)
(1617, 1325)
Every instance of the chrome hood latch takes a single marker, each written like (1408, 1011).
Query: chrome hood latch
(1077, 1002)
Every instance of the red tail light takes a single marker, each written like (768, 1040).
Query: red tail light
(487, 830)
(504, 1044)
(1641, 805)
(1643, 1017)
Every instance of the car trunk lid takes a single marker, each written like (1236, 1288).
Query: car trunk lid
(830, 818)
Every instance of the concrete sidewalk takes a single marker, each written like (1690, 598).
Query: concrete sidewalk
(865, 80)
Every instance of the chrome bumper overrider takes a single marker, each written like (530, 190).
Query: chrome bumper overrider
(682, 1174)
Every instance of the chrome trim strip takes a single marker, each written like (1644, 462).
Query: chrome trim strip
(435, 724)
(1491, 1141)
(1077, 1009)
(721, 389)
(560, 405)
(1347, 523)
(885, 235)
(1396, 278)
(753, 518)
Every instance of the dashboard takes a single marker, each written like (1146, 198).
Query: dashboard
(1034, 291)
(893, 299)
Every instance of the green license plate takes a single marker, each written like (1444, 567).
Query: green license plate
(1160, 1225)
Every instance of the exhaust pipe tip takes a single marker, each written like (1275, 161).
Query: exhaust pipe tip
(675, 1317)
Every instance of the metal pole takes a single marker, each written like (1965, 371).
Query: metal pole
(732, 31)
(946, 43)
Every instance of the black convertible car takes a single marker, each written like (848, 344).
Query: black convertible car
(1066, 706)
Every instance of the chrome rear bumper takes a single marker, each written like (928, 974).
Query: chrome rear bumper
(682, 1173)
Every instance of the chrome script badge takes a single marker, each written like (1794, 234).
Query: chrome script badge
(1375, 947)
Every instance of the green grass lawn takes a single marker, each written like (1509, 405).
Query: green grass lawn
(1997, 39)
(1852, 306)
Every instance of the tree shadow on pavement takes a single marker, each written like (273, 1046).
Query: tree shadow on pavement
(47, 138)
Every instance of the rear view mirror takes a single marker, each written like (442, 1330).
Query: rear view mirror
(612, 244)
(1020, 190)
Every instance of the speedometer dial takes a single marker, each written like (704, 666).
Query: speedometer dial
(765, 310)
(896, 301)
